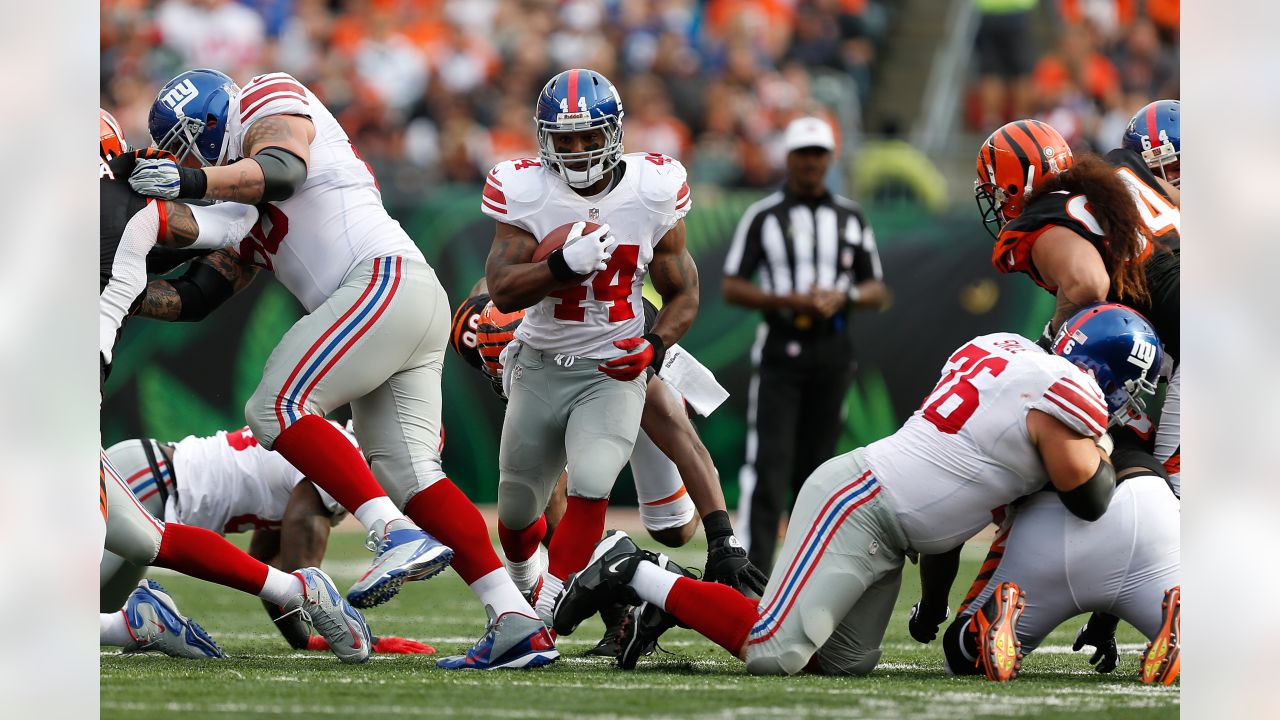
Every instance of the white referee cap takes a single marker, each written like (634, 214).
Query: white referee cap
(809, 132)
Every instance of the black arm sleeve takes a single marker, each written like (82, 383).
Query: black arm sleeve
(201, 289)
(282, 173)
(1090, 500)
(161, 259)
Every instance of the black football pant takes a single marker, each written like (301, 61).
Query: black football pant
(799, 409)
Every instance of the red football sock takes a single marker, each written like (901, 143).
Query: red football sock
(206, 555)
(576, 536)
(444, 511)
(520, 545)
(717, 611)
(329, 460)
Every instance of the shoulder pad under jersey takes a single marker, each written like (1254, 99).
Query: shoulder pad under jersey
(514, 190)
(1072, 397)
(263, 96)
(663, 183)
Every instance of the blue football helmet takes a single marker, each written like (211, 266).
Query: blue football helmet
(573, 101)
(1155, 133)
(1119, 348)
(190, 115)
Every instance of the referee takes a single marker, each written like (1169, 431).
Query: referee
(815, 259)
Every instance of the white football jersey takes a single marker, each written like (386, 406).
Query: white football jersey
(336, 220)
(585, 320)
(229, 483)
(967, 451)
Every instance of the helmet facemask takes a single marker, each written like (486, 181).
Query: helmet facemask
(599, 161)
(182, 139)
(991, 200)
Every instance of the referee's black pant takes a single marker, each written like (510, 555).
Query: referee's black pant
(795, 418)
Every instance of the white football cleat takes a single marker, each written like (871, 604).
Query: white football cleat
(156, 626)
(324, 609)
(405, 552)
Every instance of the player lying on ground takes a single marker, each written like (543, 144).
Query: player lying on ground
(130, 226)
(230, 484)
(1005, 419)
(575, 368)
(374, 335)
(1125, 563)
(676, 481)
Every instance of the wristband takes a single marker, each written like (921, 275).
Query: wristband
(559, 267)
(193, 183)
(716, 525)
(854, 294)
(659, 349)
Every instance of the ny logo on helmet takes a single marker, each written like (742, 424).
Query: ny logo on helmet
(1143, 354)
(179, 96)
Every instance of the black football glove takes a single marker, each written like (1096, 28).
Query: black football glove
(727, 564)
(1099, 633)
(923, 624)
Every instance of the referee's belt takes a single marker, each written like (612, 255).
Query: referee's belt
(807, 325)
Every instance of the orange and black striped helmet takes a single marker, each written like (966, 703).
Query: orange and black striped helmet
(1015, 159)
(111, 143)
(494, 331)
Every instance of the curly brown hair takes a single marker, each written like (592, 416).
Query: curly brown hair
(1123, 229)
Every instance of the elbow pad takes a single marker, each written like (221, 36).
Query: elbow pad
(1090, 500)
(201, 289)
(282, 173)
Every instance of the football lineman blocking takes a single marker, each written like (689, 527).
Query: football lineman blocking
(129, 227)
(230, 484)
(574, 372)
(374, 335)
(1004, 419)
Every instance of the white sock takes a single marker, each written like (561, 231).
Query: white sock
(524, 573)
(379, 508)
(653, 583)
(551, 587)
(498, 592)
(280, 586)
(114, 629)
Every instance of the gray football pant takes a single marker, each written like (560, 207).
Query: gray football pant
(834, 585)
(562, 406)
(134, 531)
(1121, 564)
(378, 343)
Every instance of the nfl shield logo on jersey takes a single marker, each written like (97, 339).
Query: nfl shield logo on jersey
(593, 214)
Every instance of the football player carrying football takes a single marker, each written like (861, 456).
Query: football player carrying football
(1005, 419)
(374, 335)
(575, 370)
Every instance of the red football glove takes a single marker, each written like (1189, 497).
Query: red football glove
(388, 645)
(648, 351)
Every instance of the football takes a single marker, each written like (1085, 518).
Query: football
(555, 240)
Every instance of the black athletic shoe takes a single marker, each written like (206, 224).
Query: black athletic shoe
(602, 582)
(644, 624)
(608, 645)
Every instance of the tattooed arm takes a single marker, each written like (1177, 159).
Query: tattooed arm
(515, 281)
(208, 282)
(675, 277)
(207, 227)
(243, 181)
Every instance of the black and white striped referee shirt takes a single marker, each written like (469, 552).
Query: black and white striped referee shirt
(796, 245)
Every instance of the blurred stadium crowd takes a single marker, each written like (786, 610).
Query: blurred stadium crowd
(437, 91)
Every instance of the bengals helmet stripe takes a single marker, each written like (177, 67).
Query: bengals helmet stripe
(111, 140)
(1012, 161)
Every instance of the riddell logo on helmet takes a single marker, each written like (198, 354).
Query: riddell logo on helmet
(572, 117)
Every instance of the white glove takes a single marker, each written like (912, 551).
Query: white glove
(1107, 444)
(585, 254)
(156, 178)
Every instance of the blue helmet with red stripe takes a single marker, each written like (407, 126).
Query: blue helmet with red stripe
(575, 101)
(1155, 133)
(1119, 348)
(189, 117)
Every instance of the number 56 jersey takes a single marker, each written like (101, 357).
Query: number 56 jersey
(967, 451)
(586, 319)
